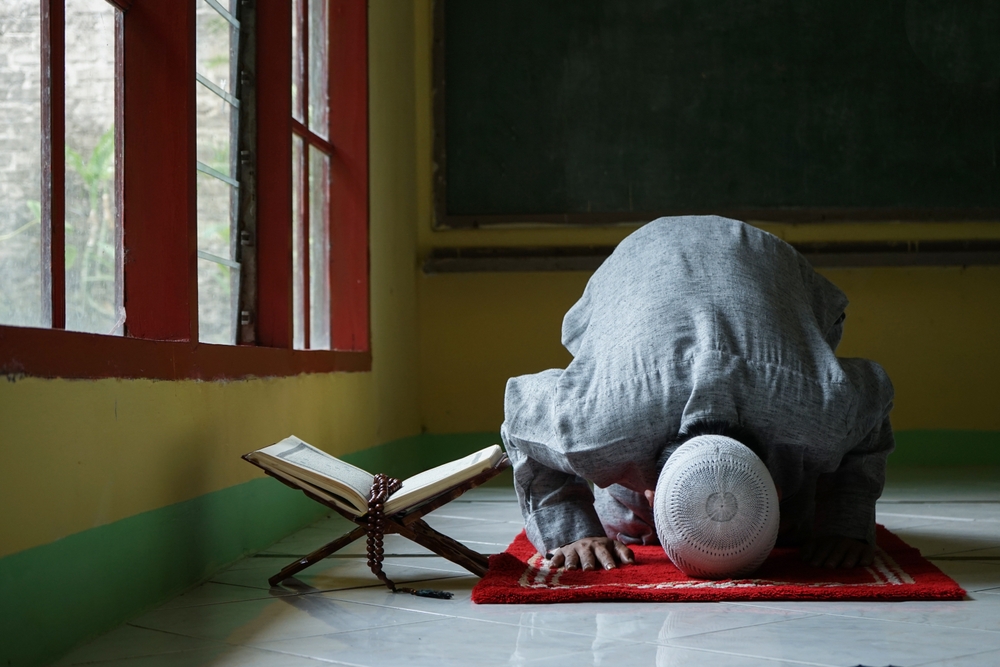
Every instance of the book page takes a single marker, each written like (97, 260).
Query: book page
(328, 496)
(301, 460)
(430, 482)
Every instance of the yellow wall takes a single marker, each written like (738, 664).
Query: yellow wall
(933, 329)
(79, 454)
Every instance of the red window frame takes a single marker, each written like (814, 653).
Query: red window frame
(158, 205)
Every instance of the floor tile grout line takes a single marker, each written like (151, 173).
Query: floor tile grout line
(348, 556)
(173, 634)
(322, 590)
(958, 657)
(432, 569)
(389, 606)
(318, 634)
(473, 501)
(784, 661)
(870, 618)
(430, 520)
(799, 616)
(936, 517)
(372, 586)
(263, 645)
(343, 632)
(972, 551)
(322, 661)
(106, 661)
(749, 655)
(888, 501)
(496, 622)
(265, 594)
(955, 553)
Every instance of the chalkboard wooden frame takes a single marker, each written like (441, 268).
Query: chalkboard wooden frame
(797, 214)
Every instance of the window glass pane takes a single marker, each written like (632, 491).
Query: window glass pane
(216, 45)
(298, 73)
(319, 249)
(228, 5)
(298, 256)
(215, 130)
(217, 286)
(215, 204)
(318, 94)
(20, 163)
(217, 122)
(91, 303)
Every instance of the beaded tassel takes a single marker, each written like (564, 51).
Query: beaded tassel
(384, 486)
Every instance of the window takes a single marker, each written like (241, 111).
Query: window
(330, 174)
(217, 46)
(165, 116)
(311, 151)
(60, 229)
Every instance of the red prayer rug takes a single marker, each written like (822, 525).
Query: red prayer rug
(899, 572)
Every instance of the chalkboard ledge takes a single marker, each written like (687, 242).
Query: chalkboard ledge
(791, 214)
(820, 254)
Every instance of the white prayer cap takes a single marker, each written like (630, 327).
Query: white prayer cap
(716, 508)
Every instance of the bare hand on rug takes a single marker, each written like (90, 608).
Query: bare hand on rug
(832, 551)
(588, 552)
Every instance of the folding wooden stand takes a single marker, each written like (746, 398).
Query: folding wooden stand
(409, 523)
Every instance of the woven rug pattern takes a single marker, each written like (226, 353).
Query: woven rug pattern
(520, 575)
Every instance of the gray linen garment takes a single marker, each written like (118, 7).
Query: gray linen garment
(696, 318)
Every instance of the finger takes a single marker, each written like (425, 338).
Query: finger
(625, 554)
(572, 559)
(810, 551)
(867, 556)
(820, 553)
(836, 556)
(604, 557)
(556, 558)
(852, 555)
(587, 560)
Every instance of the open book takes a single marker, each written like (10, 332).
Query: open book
(348, 486)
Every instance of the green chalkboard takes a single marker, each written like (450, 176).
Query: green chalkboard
(606, 110)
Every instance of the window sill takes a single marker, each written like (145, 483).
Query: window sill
(53, 353)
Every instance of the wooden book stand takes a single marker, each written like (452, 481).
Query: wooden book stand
(409, 523)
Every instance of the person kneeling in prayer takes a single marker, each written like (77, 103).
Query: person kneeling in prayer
(704, 386)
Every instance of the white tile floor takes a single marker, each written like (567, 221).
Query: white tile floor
(340, 615)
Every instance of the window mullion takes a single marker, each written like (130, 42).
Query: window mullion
(120, 167)
(348, 72)
(274, 153)
(302, 16)
(53, 87)
(159, 179)
(303, 223)
(312, 137)
(246, 170)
